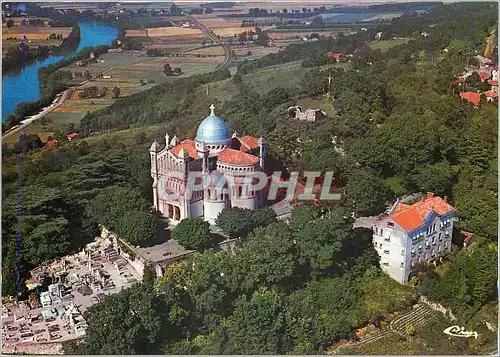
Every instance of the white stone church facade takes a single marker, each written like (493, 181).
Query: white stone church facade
(212, 152)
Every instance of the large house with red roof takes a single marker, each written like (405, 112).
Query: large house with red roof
(409, 234)
(213, 152)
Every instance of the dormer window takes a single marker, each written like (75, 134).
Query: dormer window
(390, 224)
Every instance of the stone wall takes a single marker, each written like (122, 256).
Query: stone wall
(33, 349)
(438, 307)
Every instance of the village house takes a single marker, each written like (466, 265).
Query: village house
(335, 55)
(413, 233)
(491, 96)
(471, 97)
(50, 143)
(72, 135)
(485, 63)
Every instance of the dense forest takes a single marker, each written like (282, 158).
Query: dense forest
(295, 288)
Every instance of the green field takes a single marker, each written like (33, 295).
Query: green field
(324, 104)
(344, 65)
(263, 80)
(45, 127)
(384, 45)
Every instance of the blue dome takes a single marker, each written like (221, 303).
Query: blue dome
(212, 130)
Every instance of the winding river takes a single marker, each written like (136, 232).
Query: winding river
(24, 87)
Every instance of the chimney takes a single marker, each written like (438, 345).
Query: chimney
(430, 195)
(445, 199)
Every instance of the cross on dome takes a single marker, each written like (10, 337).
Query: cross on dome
(212, 109)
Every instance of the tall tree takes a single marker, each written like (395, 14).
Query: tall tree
(116, 93)
(193, 233)
(257, 325)
(239, 222)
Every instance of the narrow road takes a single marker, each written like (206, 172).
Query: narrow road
(57, 102)
(212, 36)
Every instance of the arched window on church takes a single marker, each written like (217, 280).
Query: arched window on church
(240, 191)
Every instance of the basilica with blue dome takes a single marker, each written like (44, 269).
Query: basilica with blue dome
(214, 155)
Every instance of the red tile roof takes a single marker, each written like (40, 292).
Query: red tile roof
(400, 207)
(235, 157)
(467, 236)
(190, 147)
(493, 82)
(50, 143)
(72, 135)
(460, 79)
(248, 142)
(335, 55)
(413, 216)
(472, 97)
(484, 75)
(491, 94)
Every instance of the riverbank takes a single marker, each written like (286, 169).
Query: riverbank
(58, 101)
(27, 87)
(15, 60)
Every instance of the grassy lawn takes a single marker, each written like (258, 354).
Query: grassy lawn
(127, 136)
(382, 291)
(384, 45)
(324, 104)
(487, 341)
(344, 65)
(265, 79)
(215, 50)
(46, 126)
(392, 344)
(222, 91)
